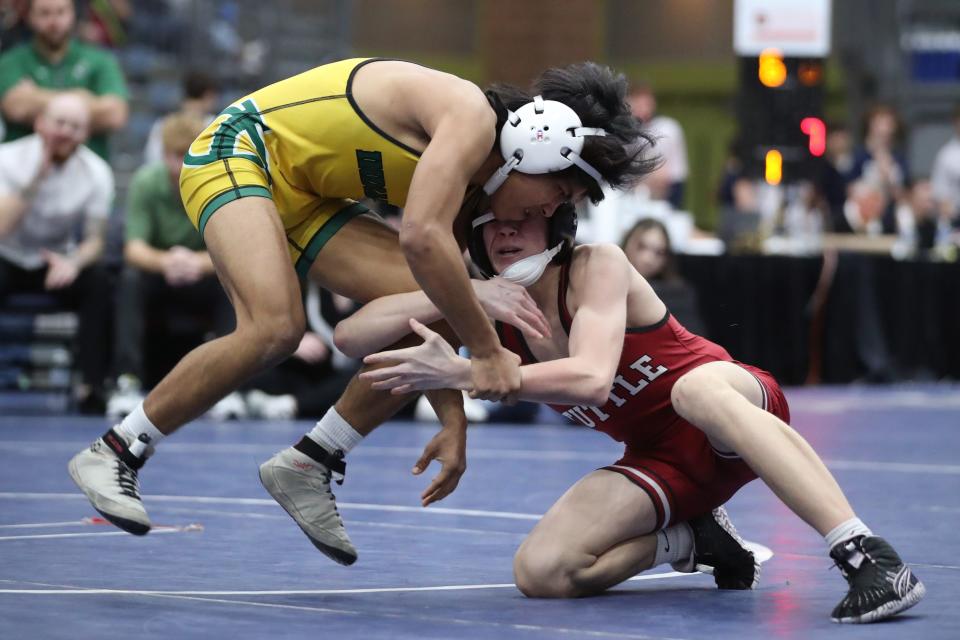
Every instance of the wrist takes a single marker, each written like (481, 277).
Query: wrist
(488, 347)
(74, 259)
(448, 404)
(464, 374)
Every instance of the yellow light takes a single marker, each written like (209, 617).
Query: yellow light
(773, 171)
(771, 71)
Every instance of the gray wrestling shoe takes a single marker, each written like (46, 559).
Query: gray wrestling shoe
(720, 551)
(106, 472)
(301, 484)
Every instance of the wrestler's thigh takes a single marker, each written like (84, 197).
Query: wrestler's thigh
(601, 510)
(363, 261)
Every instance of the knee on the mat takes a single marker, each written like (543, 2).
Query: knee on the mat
(540, 574)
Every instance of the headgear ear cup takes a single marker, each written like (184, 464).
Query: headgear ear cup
(563, 228)
(542, 136)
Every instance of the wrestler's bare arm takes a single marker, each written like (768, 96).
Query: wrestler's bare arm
(583, 377)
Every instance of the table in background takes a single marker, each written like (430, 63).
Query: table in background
(882, 320)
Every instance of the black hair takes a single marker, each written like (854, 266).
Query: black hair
(598, 95)
(196, 84)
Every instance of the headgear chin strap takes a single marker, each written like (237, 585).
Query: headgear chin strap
(543, 136)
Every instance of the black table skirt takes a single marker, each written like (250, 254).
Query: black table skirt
(881, 320)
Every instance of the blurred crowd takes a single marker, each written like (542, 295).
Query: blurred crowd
(63, 93)
(863, 186)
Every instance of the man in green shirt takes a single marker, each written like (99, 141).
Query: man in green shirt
(31, 74)
(167, 267)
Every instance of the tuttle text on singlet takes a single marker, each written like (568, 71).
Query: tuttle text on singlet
(623, 387)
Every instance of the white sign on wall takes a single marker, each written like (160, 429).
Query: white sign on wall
(795, 27)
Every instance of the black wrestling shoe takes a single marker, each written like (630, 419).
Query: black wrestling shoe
(881, 585)
(719, 550)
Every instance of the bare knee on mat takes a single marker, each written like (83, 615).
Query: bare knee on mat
(544, 574)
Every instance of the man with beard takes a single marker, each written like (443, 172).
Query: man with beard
(32, 74)
(50, 184)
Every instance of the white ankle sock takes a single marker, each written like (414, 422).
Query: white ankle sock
(846, 531)
(673, 544)
(137, 423)
(333, 432)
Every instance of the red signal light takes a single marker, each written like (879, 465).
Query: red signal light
(817, 133)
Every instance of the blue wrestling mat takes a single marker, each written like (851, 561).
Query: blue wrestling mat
(227, 562)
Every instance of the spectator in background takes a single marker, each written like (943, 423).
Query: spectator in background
(855, 318)
(945, 178)
(164, 25)
(865, 211)
(104, 22)
(53, 62)
(739, 203)
(200, 97)
(166, 264)
(669, 181)
(51, 184)
(13, 23)
(879, 161)
(647, 246)
(836, 167)
(919, 218)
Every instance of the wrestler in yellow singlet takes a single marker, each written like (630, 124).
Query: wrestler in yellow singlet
(305, 143)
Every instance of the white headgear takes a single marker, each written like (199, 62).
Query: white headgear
(543, 136)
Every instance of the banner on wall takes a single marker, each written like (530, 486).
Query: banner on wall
(798, 28)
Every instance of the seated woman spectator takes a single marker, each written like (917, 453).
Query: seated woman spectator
(647, 246)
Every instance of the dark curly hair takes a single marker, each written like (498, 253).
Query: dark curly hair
(598, 95)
